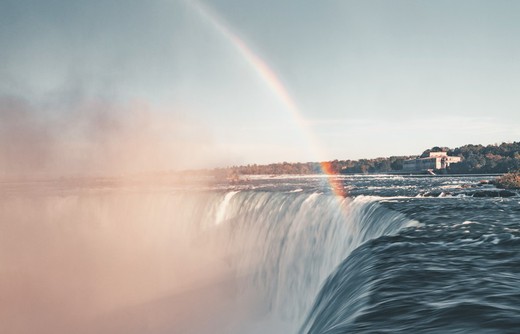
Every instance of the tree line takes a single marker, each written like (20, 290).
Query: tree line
(476, 159)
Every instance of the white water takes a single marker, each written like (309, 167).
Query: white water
(192, 262)
(221, 213)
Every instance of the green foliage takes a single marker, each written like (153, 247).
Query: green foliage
(476, 159)
(274, 169)
(379, 165)
(501, 158)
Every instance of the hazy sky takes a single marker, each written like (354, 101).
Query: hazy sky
(370, 78)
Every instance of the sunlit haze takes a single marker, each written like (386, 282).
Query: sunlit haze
(187, 166)
(259, 82)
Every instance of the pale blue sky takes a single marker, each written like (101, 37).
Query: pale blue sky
(371, 78)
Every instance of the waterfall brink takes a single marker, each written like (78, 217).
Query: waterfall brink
(290, 243)
(114, 261)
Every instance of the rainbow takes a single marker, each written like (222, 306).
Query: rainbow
(271, 79)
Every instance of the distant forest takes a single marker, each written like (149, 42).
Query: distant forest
(476, 159)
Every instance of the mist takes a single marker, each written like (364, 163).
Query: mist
(112, 261)
(98, 137)
(85, 250)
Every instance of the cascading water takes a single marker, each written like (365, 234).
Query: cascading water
(287, 244)
(115, 249)
(268, 256)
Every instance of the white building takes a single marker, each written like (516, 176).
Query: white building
(436, 161)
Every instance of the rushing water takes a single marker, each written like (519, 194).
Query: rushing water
(269, 254)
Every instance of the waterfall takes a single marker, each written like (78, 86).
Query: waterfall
(90, 254)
